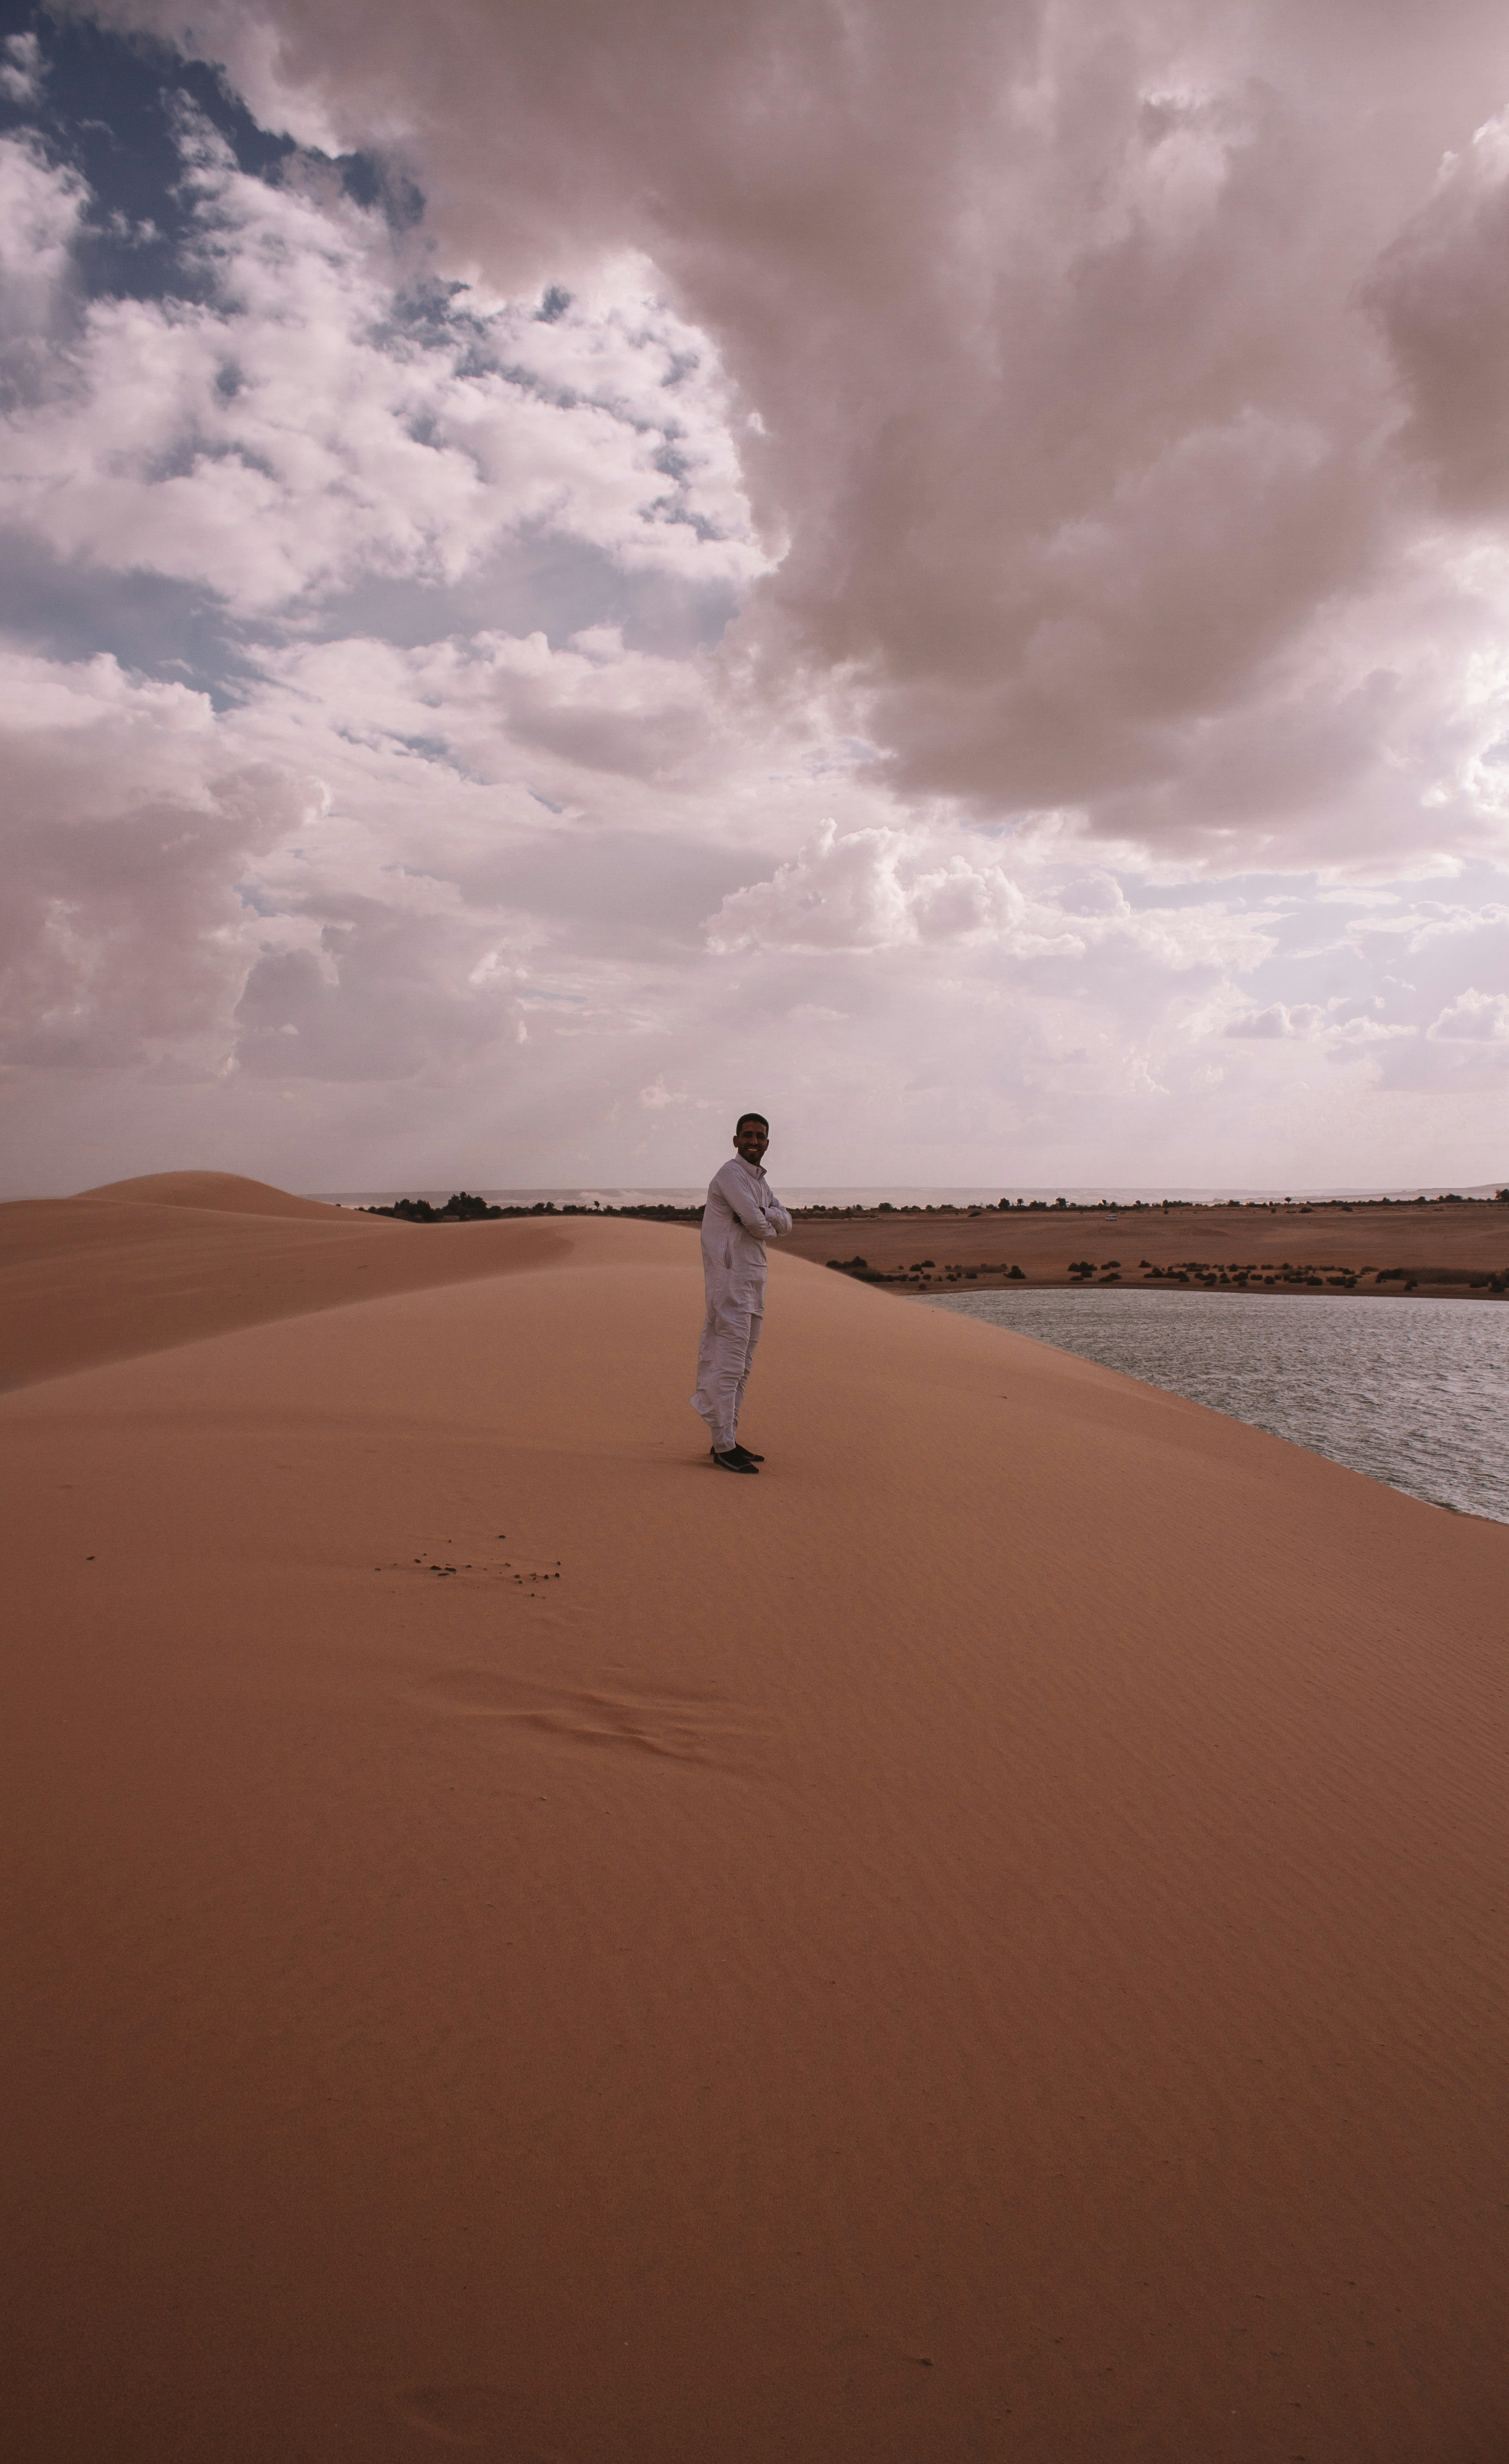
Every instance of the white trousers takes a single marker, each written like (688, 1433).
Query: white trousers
(730, 1333)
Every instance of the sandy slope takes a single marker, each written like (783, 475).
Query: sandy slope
(147, 1264)
(984, 1943)
(221, 1192)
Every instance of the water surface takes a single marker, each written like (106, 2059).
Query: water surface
(1410, 1392)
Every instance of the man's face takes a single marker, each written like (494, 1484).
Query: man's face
(751, 1141)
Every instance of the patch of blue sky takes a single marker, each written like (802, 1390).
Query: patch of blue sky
(111, 105)
(438, 754)
(260, 901)
(535, 580)
(115, 109)
(166, 630)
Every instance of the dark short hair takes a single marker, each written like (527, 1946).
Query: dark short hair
(749, 1116)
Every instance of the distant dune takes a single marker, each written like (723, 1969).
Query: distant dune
(985, 1942)
(109, 1276)
(222, 1193)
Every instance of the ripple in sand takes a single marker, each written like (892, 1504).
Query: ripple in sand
(475, 2417)
(683, 1728)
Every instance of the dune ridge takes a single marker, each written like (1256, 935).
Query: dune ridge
(142, 1266)
(220, 1193)
(985, 1942)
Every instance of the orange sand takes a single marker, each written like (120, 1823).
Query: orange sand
(985, 1942)
(127, 1269)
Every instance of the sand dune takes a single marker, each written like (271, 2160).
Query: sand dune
(220, 1193)
(985, 1942)
(108, 1276)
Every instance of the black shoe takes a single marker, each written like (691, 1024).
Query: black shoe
(735, 1459)
(748, 1452)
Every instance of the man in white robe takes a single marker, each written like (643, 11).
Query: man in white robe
(742, 1212)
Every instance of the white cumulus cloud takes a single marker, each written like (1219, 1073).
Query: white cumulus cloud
(327, 412)
(1473, 1018)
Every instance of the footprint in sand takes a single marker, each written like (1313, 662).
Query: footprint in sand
(480, 2418)
(685, 1728)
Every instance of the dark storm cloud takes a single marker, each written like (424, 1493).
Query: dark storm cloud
(1074, 336)
(1121, 389)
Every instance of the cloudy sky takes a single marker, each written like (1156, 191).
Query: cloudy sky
(568, 568)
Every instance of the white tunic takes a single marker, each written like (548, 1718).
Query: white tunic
(742, 1214)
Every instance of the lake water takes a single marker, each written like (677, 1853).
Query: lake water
(1410, 1392)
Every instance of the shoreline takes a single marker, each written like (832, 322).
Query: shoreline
(1423, 1290)
(1413, 1403)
